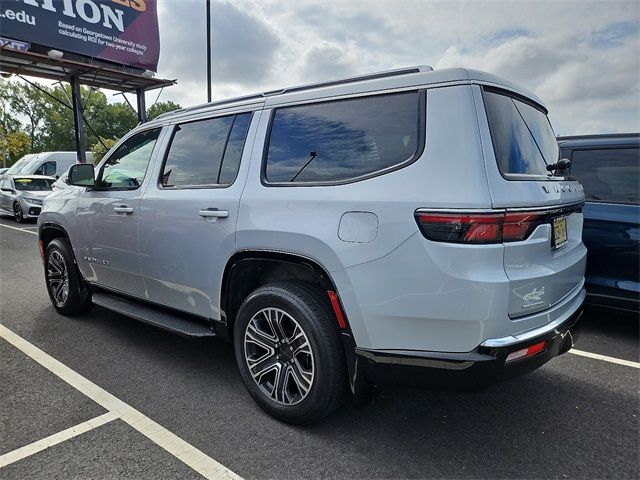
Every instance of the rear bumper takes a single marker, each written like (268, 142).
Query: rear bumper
(483, 366)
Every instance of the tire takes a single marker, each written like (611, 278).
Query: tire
(311, 367)
(18, 214)
(68, 292)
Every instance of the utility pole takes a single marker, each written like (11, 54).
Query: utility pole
(208, 50)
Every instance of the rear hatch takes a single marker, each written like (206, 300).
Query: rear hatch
(548, 264)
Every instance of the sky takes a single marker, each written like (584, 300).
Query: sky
(581, 57)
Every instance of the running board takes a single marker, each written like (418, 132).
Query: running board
(153, 316)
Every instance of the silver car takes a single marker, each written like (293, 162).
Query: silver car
(412, 224)
(22, 195)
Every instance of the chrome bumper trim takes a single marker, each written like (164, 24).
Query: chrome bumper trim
(537, 332)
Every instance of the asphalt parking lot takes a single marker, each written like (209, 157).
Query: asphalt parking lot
(128, 400)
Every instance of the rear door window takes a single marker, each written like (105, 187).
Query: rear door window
(608, 175)
(205, 152)
(523, 140)
(343, 140)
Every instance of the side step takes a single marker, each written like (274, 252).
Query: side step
(153, 316)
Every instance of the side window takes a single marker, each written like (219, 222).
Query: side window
(205, 152)
(47, 168)
(608, 175)
(343, 140)
(127, 166)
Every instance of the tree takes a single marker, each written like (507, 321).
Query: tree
(49, 123)
(28, 101)
(13, 146)
(100, 148)
(159, 108)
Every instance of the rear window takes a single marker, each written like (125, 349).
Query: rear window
(523, 140)
(343, 140)
(33, 184)
(608, 175)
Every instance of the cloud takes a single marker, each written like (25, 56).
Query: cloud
(582, 58)
(325, 60)
(243, 49)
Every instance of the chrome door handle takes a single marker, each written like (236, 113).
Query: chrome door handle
(123, 209)
(213, 212)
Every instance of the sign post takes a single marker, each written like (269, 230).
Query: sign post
(78, 124)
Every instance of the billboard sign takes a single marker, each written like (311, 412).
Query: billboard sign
(121, 31)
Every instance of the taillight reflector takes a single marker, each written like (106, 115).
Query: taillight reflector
(479, 228)
(526, 352)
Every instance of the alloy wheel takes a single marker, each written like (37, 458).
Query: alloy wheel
(17, 212)
(58, 278)
(279, 356)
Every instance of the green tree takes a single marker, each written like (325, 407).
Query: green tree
(160, 108)
(100, 148)
(28, 102)
(49, 123)
(13, 146)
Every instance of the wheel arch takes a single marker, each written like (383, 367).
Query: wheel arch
(47, 231)
(246, 270)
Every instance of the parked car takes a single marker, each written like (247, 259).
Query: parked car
(608, 166)
(402, 225)
(22, 195)
(51, 164)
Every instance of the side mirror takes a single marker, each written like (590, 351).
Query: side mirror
(6, 189)
(82, 175)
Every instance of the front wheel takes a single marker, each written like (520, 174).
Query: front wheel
(17, 213)
(289, 353)
(66, 289)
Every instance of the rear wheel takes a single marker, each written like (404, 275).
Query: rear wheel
(17, 212)
(66, 289)
(289, 353)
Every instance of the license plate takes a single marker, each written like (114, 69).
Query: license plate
(559, 232)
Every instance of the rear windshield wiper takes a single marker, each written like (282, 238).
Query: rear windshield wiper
(559, 165)
(313, 155)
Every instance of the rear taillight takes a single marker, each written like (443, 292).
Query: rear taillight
(479, 228)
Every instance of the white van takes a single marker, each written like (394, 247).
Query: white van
(52, 164)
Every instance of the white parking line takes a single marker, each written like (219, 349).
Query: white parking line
(56, 438)
(605, 358)
(18, 229)
(187, 453)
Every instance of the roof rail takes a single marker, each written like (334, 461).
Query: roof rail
(359, 78)
(563, 138)
(300, 88)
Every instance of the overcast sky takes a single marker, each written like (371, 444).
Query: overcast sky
(582, 58)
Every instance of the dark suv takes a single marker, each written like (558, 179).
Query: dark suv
(608, 166)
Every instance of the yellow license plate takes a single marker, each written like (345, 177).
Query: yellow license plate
(559, 232)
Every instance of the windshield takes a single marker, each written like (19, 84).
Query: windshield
(19, 165)
(29, 167)
(523, 140)
(33, 184)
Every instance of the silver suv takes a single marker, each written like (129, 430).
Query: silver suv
(408, 224)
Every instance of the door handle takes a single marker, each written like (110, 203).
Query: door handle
(123, 209)
(213, 212)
